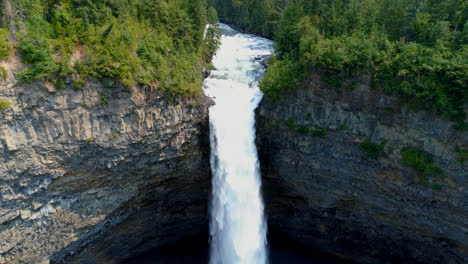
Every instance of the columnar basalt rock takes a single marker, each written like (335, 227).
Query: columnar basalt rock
(326, 192)
(86, 181)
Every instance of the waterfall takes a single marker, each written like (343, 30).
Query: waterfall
(237, 223)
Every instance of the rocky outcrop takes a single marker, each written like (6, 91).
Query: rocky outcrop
(323, 190)
(97, 175)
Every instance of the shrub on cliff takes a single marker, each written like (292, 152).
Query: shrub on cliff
(4, 104)
(373, 150)
(281, 76)
(422, 162)
(5, 47)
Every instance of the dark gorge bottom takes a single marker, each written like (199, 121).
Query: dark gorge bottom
(195, 250)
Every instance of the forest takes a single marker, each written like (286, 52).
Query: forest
(120, 42)
(415, 49)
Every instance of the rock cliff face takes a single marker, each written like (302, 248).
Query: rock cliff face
(82, 181)
(325, 191)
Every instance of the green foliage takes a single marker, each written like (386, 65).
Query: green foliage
(78, 83)
(115, 135)
(422, 162)
(103, 100)
(5, 47)
(287, 36)
(416, 158)
(272, 123)
(211, 42)
(417, 50)
(157, 43)
(107, 31)
(60, 83)
(291, 123)
(4, 104)
(319, 132)
(332, 81)
(462, 154)
(374, 150)
(3, 73)
(303, 129)
(212, 16)
(90, 140)
(344, 127)
(38, 54)
(281, 76)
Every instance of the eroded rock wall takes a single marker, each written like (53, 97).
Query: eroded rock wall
(326, 192)
(86, 182)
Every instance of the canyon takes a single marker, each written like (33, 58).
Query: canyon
(99, 175)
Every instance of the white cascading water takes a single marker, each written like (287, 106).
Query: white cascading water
(237, 224)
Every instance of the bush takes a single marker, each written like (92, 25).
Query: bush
(5, 47)
(4, 104)
(60, 83)
(303, 129)
(319, 132)
(212, 16)
(416, 158)
(374, 150)
(103, 100)
(422, 162)
(344, 127)
(462, 154)
(37, 53)
(282, 75)
(291, 123)
(3, 73)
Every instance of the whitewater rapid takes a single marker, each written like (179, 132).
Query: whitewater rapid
(237, 222)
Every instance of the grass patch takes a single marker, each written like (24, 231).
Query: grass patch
(374, 150)
(4, 104)
(462, 154)
(332, 81)
(319, 132)
(103, 100)
(422, 162)
(272, 123)
(303, 129)
(389, 111)
(344, 127)
(3, 73)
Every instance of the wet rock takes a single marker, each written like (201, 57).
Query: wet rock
(266, 61)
